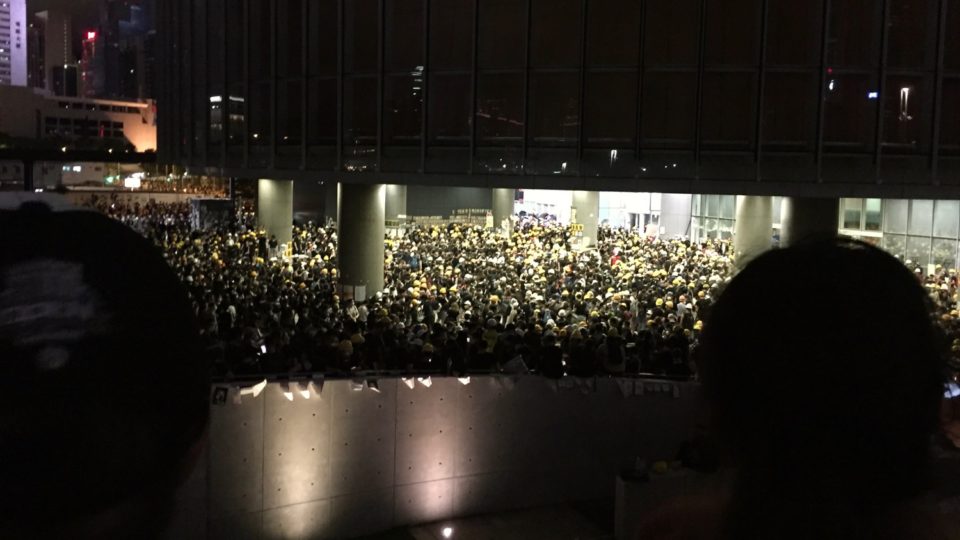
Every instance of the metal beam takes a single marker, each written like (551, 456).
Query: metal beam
(341, 18)
(526, 87)
(821, 92)
(581, 120)
(473, 82)
(641, 74)
(761, 87)
(882, 85)
(698, 128)
(381, 36)
(425, 86)
(938, 93)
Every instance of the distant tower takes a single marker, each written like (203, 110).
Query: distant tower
(13, 42)
(88, 62)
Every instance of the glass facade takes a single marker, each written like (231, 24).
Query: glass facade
(640, 89)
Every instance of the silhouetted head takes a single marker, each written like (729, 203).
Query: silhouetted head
(103, 388)
(823, 374)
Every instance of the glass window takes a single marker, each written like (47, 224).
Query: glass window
(290, 40)
(921, 217)
(790, 111)
(260, 114)
(944, 252)
(873, 215)
(918, 250)
(500, 108)
(728, 206)
(555, 33)
(951, 59)
(669, 109)
(946, 219)
(322, 112)
(850, 113)
(906, 110)
(236, 119)
(362, 39)
(198, 50)
(236, 24)
(554, 109)
(855, 33)
(215, 37)
(696, 205)
(402, 110)
(796, 29)
(610, 109)
(713, 206)
(404, 26)
(260, 39)
(733, 31)
(895, 244)
(895, 214)
(289, 113)
(502, 28)
(322, 37)
(613, 32)
(728, 109)
(949, 112)
(451, 35)
(913, 33)
(852, 213)
(359, 111)
(672, 28)
(450, 109)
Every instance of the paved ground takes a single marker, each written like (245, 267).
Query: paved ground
(582, 521)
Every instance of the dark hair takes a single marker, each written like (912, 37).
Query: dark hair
(823, 373)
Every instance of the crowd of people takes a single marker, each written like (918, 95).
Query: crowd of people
(457, 299)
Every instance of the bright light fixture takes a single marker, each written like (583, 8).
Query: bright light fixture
(304, 389)
(254, 390)
(447, 532)
(426, 381)
(286, 391)
(464, 380)
(373, 385)
(409, 382)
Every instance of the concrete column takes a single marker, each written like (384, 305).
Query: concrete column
(585, 206)
(675, 213)
(753, 229)
(502, 207)
(396, 204)
(275, 208)
(806, 218)
(360, 233)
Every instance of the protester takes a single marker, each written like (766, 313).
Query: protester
(456, 298)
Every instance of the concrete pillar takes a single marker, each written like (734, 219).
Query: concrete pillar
(396, 204)
(675, 213)
(275, 208)
(753, 229)
(585, 210)
(807, 218)
(360, 233)
(502, 207)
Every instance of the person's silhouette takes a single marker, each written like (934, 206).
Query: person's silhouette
(103, 386)
(823, 376)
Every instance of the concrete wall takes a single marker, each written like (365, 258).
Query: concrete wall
(349, 463)
(442, 201)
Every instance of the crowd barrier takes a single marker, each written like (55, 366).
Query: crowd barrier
(344, 458)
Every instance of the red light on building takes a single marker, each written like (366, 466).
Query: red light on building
(91, 35)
